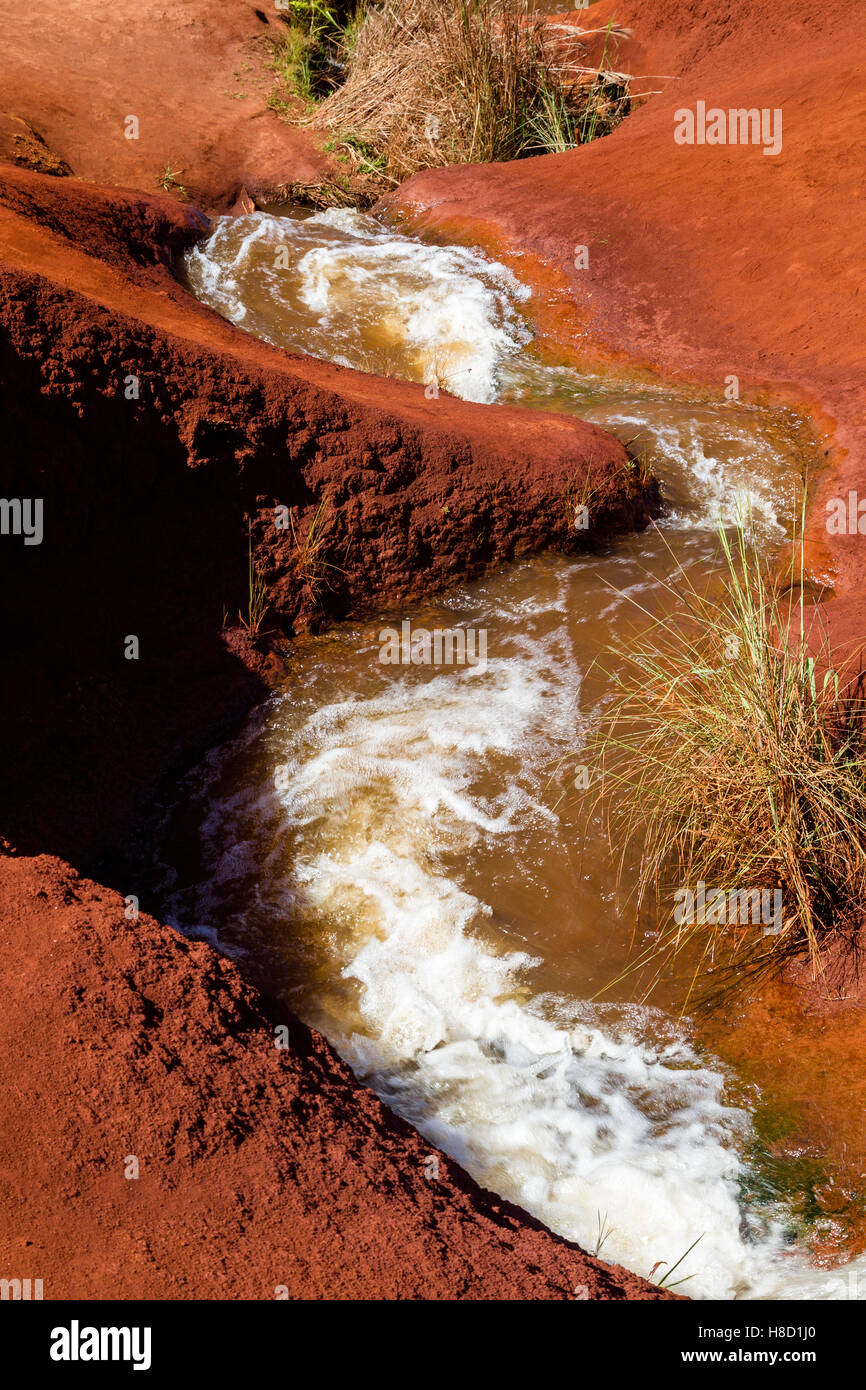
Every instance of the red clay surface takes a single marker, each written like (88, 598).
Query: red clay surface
(258, 1167)
(261, 1168)
(194, 72)
(706, 261)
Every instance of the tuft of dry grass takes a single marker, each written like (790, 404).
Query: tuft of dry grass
(438, 82)
(324, 193)
(257, 602)
(309, 547)
(733, 754)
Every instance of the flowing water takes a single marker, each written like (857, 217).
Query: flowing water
(407, 853)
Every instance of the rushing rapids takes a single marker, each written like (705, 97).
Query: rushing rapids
(402, 847)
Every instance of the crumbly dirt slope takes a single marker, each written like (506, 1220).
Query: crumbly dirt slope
(122, 1044)
(194, 74)
(710, 260)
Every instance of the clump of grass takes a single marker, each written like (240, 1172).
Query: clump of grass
(257, 603)
(309, 547)
(293, 64)
(350, 30)
(362, 182)
(734, 754)
(434, 82)
(353, 148)
(169, 182)
(578, 500)
(305, 56)
(604, 1231)
(591, 103)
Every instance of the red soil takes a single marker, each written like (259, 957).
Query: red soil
(706, 261)
(258, 1168)
(194, 73)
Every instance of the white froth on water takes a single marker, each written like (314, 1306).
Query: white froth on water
(734, 484)
(572, 1112)
(375, 803)
(578, 1113)
(339, 285)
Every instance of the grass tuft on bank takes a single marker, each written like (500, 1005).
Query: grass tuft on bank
(306, 54)
(434, 82)
(402, 85)
(734, 755)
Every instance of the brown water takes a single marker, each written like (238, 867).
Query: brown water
(406, 852)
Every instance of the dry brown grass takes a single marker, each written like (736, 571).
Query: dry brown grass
(735, 753)
(437, 82)
(310, 545)
(257, 599)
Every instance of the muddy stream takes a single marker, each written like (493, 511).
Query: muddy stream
(408, 855)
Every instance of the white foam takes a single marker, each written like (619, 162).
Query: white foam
(576, 1113)
(377, 300)
(573, 1112)
(339, 285)
(571, 1116)
(734, 490)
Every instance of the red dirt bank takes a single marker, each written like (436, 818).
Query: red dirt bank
(258, 1168)
(194, 73)
(709, 260)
